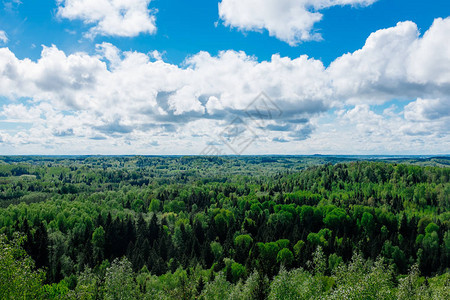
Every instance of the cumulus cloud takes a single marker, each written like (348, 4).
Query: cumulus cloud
(127, 95)
(54, 77)
(429, 56)
(130, 100)
(291, 21)
(3, 37)
(396, 63)
(428, 109)
(111, 17)
(117, 89)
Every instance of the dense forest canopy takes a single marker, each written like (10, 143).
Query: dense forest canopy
(250, 227)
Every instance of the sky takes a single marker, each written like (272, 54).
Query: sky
(166, 77)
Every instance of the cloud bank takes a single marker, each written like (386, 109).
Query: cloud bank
(130, 101)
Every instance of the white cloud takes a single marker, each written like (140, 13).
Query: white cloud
(429, 59)
(428, 109)
(185, 100)
(111, 17)
(291, 21)
(396, 63)
(129, 102)
(21, 113)
(124, 95)
(3, 37)
(65, 80)
(360, 129)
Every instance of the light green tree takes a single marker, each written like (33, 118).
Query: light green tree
(18, 279)
(119, 282)
(88, 285)
(219, 289)
(295, 284)
(155, 205)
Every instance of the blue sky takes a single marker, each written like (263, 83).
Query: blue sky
(187, 27)
(168, 76)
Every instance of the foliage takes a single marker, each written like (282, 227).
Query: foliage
(224, 228)
(119, 281)
(18, 278)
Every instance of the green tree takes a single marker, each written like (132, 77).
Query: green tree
(361, 279)
(98, 244)
(58, 290)
(268, 256)
(336, 219)
(119, 283)
(368, 223)
(412, 286)
(238, 271)
(88, 286)
(334, 261)
(217, 250)
(243, 244)
(285, 257)
(138, 205)
(18, 279)
(429, 258)
(295, 284)
(155, 205)
(219, 289)
(298, 247)
(320, 238)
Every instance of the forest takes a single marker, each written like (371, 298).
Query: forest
(224, 227)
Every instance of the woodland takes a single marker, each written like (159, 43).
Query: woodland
(224, 227)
